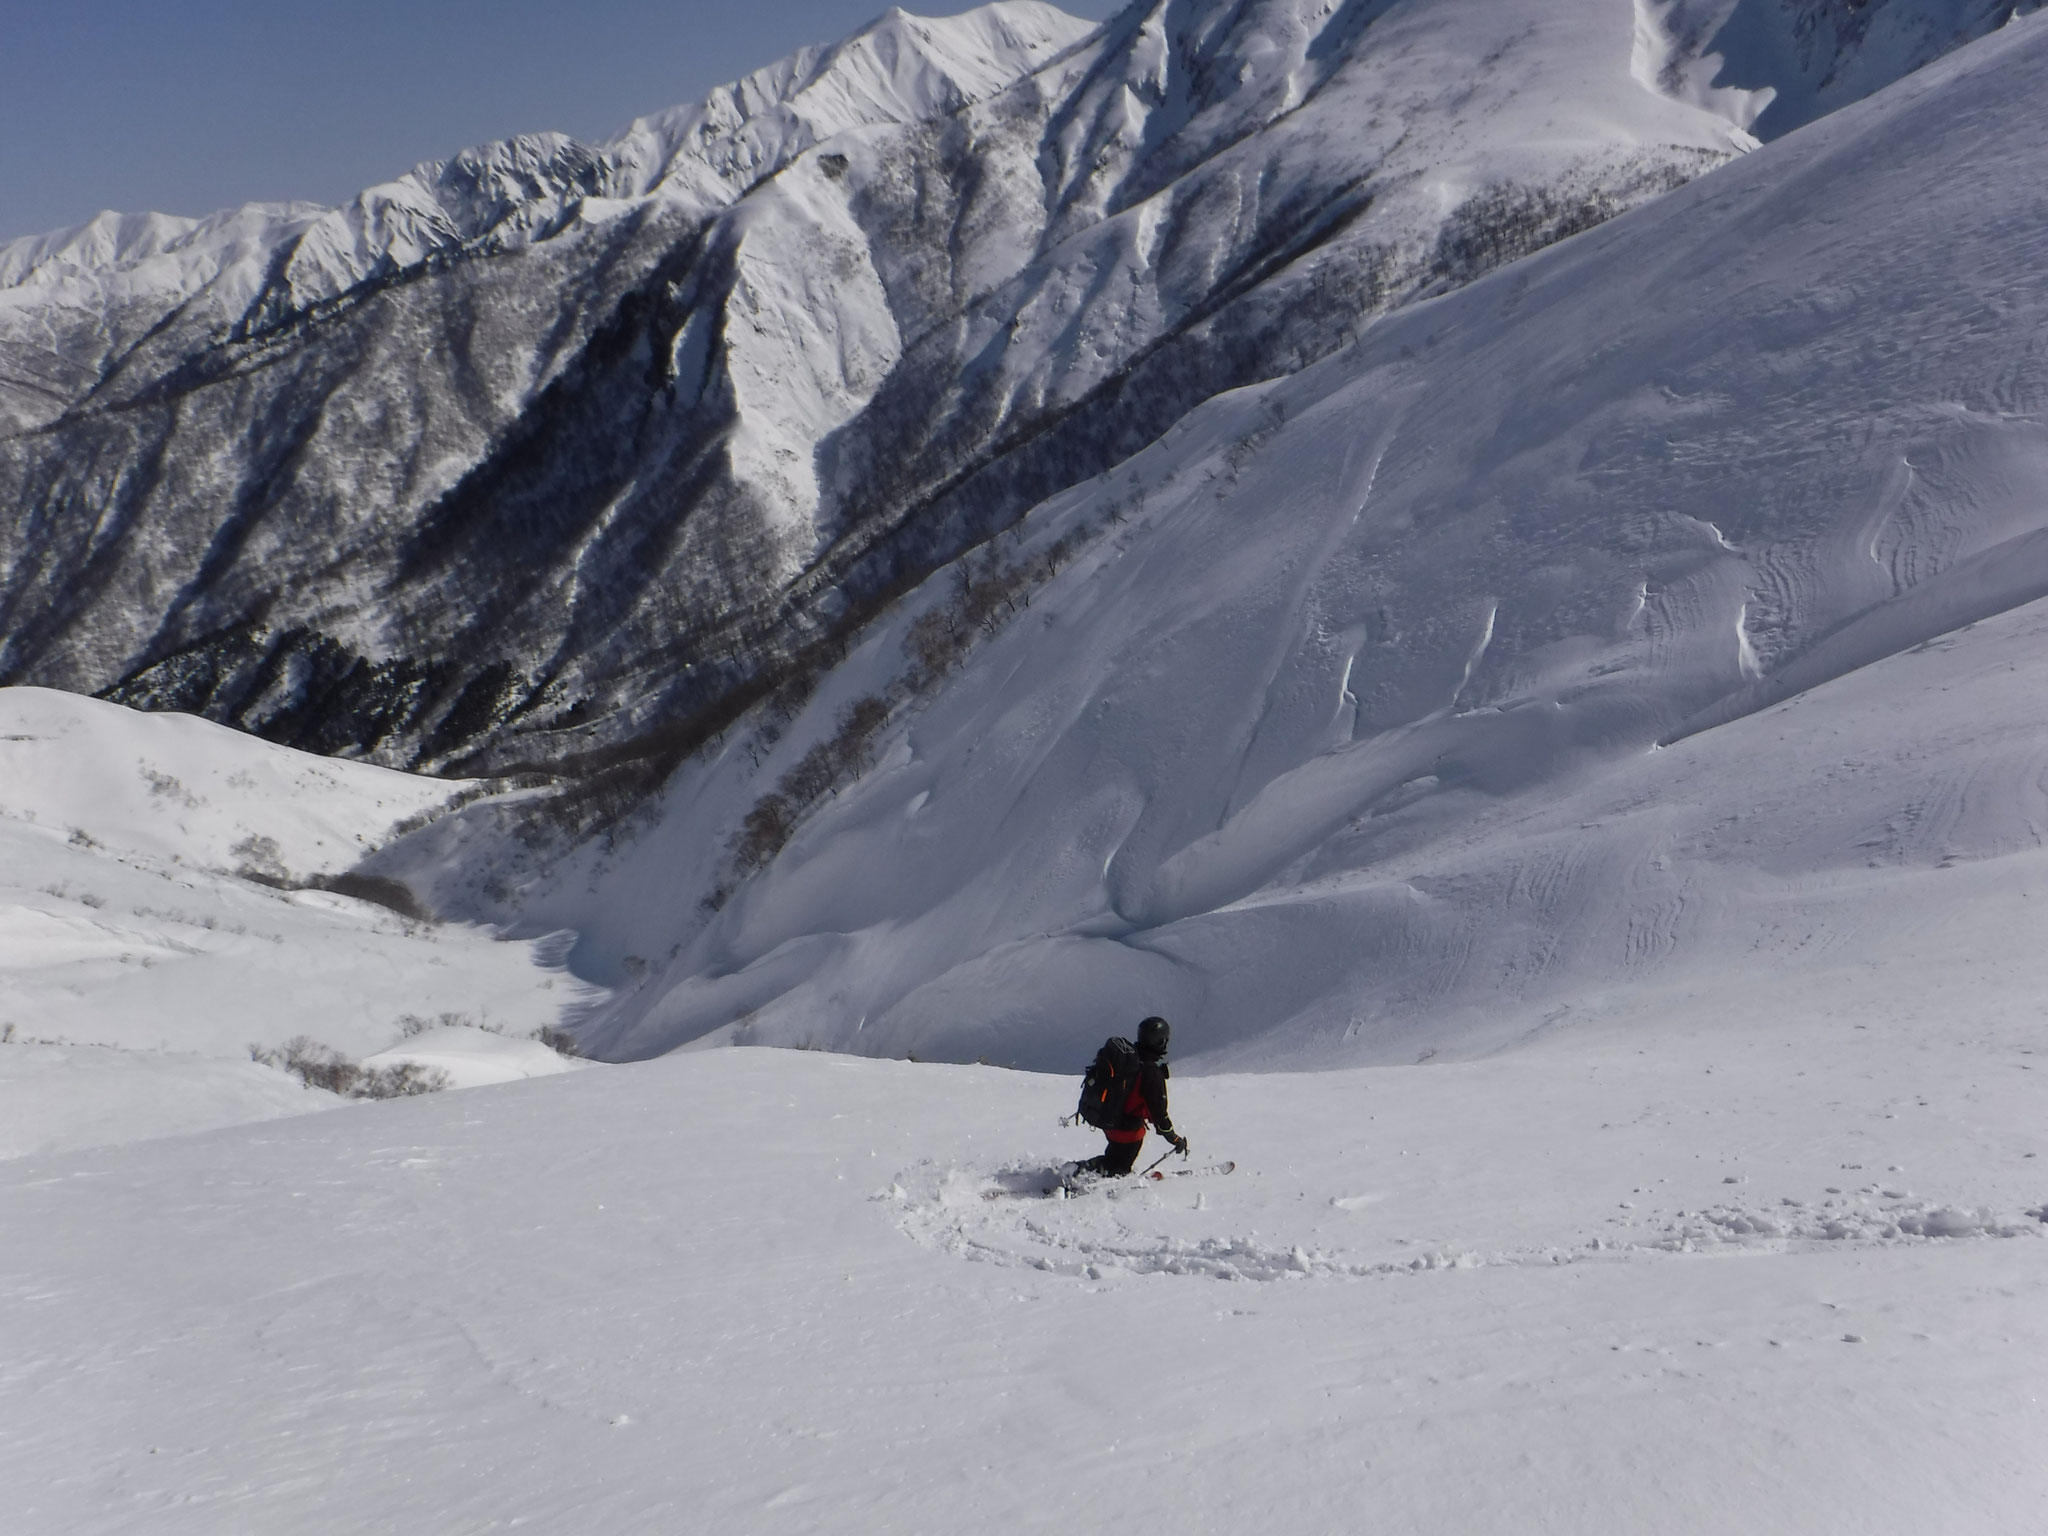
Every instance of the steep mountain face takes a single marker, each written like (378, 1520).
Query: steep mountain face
(243, 442)
(563, 454)
(1583, 626)
(1772, 65)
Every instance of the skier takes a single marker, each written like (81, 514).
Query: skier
(1145, 1100)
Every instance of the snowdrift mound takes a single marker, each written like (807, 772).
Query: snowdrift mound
(1332, 726)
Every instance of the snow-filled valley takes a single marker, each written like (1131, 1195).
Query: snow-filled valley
(161, 914)
(1569, 759)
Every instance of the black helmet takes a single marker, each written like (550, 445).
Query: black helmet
(1152, 1037)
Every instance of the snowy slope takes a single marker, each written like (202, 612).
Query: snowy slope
(1339, 736)
(561, 452)
(153, 930)
(1774, 65)
(173, 790)
(1595, 718)
(1757, 1246)
(1759, 1261)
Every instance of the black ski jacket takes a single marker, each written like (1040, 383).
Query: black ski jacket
(1147, 1102)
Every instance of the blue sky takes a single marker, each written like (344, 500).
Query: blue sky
(185, 106)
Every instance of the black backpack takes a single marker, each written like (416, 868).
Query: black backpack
(1106, 1086)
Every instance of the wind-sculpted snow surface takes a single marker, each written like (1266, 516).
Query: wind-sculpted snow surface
(552, 450)
(1340, 736)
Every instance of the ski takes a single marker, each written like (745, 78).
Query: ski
(1189, 1173)
(1066, 1183)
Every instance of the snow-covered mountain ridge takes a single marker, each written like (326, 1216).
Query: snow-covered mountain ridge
(554, 450)
(1577, 628)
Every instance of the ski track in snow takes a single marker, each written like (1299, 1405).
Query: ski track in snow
(1013, 1216)
(692, 1293)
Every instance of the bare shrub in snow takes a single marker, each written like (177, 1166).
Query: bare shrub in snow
(261, 861)
(819, 772)
(1507, 221)
(403, 1081)
(322, 1066)
(378, 890)
(314, 1064)
(765, 830)
(815, 773)
(844, 752)
(560, 1041)
(164, 786)
(858, 727)
(934, 641)
(798, 682)
(987, 593)
(468, 795)
(413, 1024)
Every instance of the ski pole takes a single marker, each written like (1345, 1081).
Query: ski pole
(1162, 1157)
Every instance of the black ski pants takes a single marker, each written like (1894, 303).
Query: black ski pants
(1118, 1158)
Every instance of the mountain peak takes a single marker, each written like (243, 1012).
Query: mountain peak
(899, 68)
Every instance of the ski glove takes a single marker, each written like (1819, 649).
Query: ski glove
(1178, 1143)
